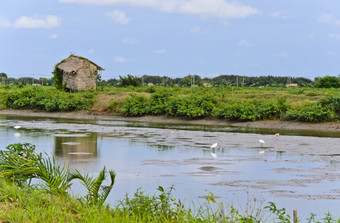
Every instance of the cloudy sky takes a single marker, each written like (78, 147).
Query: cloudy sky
(172, 37)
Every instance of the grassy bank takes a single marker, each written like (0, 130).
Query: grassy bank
(230, 103)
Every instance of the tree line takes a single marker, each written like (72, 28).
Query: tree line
(222, 81)
(190, 81)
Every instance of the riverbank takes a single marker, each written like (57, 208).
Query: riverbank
(333, 127)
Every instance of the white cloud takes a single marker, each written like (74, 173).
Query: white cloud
(329, 19)
(129, 40)
(160, 51)
(244, 43)
(214, 8)
(118, 17)
(119, 59)
(35, 22)
(54, 36)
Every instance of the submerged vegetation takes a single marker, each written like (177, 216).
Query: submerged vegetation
(34, 188)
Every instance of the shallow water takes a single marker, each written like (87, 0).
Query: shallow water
(299, 172)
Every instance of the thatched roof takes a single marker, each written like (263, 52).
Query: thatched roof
(74, 63)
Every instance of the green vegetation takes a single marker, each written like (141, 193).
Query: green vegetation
(304, 104)
(240, 104)
(45, 99)
(129, 80)
(328, 82)
(48, 198)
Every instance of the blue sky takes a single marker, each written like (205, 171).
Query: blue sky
(173, 37)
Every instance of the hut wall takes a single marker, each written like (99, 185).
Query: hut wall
(87, 77)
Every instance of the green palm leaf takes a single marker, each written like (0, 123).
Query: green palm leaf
(97, 193)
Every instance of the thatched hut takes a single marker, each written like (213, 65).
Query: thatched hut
(77, 73)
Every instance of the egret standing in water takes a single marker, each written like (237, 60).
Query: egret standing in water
(17, 127)
(262, 142)
(213, 146)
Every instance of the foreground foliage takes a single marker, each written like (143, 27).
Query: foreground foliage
(20, 164)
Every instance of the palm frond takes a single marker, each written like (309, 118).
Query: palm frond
(97, 193)
(55, 177)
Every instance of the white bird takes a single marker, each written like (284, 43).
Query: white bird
(276, 135)
(213, 146)
(262, 141)
(261, 151)
(17, 127)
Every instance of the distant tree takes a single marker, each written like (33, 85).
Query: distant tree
(129, 81)
(3, 75)
(328, 82)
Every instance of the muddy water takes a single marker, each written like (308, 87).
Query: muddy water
(295, 171)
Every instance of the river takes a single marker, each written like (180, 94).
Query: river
(297, 171)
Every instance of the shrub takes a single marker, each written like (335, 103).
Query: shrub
(328, 82)
(314, 113)
(48, 99)
(136, 105)
(158, 102)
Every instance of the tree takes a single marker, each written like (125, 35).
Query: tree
(129, 81)
(3, 75)
(328, 82)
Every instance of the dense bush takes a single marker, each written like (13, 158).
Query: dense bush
(314, 113)
(48, 99)
(235, 103)
(136, 105)
(158, 101)
(252, 110)
(328, 82)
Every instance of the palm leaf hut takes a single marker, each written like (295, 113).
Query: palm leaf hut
(77, 73)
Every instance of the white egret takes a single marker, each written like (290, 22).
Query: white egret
(262, 142)
(262, 151)
(213, 146)
(276, 135)
(17, 127)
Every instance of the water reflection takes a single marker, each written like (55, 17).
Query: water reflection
(75, 147)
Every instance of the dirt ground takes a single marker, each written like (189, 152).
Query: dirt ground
(98, 114)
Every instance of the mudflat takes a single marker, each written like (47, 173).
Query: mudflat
(333, 127)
